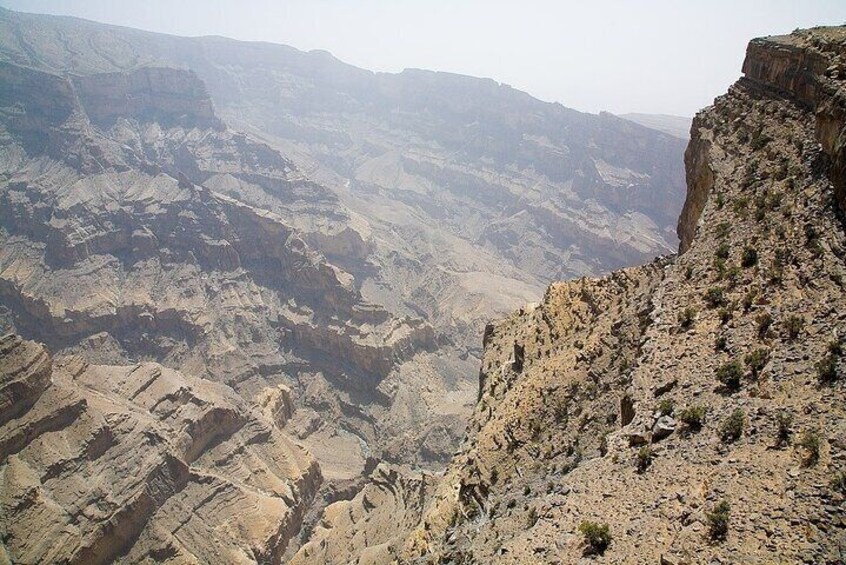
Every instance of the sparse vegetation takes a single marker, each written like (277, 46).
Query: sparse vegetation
(597, 536)
(720, 267)
(749, 257)
(725, 315)
(741, 206)
(723, 251)
(749, 299)
(760, 140)
(838, 482)
(810, 441)
(718, 520)
(686, 317)
(732, 274)
(827, 371)
(714, 297)
(721, 343)
(693, 417)
(793, 325)
(763, 322)
(732, 428)
(644, 458)
(730, 374)
(756, 361)
(665, 407)
(784, 420)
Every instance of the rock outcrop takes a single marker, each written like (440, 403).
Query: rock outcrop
(156, 94)
(647, 399)
(370, 527)
(140, 463)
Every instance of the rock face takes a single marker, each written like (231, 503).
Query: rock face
(333, 266)
(472, 196)
(370, 527)
(644, 399)
(358, 270)
(116, 246)
(140, 463)
(166, 96)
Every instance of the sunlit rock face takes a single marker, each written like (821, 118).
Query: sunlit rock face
(295, 257)
(645, 399)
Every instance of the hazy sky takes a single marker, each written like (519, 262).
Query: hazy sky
(622, 56)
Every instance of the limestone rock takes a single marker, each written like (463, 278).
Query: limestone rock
(761, 264)
(142, 463)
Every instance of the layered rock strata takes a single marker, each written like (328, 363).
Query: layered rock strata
(140, 463)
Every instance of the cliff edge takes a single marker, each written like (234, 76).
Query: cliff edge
(694, 407)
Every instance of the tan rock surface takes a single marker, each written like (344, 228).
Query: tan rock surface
(582, 405)
(142, 463)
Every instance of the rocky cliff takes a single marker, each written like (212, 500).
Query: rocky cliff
(472, 195)
(690, 410)
(199, 174)
(140, 463)
(125, 236)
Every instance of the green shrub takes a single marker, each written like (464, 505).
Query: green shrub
(763, 321)
(718, 520)
(838, 482)
(732, 275)
(810, 442)
(665, 407)
(723, 251)
(644, 458)
(793, 325)
(732, 428)
(714, 297)
(749, 299)
(827, 369)
(723, 230)
(812, 236)
(686, 317)
(749, 257)
(693, 417)
(775, 275)
(720, 267)
(597, 536)
(730, 374)
(721, 343)
(740, 206)
(760, 140)
(756, 361)
(784, 420)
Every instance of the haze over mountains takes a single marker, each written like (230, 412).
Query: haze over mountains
(276, 273)
(443, 200)
(677, 126)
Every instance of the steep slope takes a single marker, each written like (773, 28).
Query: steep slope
(474, 195)
(646, 399)
(115, 244)
(139, 463)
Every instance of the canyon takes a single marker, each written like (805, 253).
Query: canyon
(276, 274)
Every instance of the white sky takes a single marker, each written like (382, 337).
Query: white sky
(648, 56)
